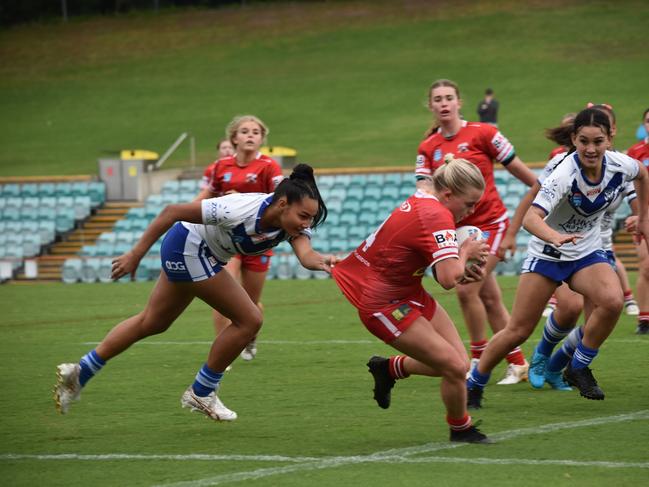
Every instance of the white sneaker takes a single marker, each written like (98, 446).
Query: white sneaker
(548, 310)
(250, 351)
(515, 374)
(211, 406)
(67, 388)
(474, 364)
(631, 308)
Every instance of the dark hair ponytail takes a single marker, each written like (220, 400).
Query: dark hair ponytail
(299, 185)
(589, 117)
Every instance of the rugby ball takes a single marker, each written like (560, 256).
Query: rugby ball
(464, 232)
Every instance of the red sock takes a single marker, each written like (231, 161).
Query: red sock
(516, 357)
(459, 424)
(477, 348)
(643, 316)
(397, 371)
(628, 295)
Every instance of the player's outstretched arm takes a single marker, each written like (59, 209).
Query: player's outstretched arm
(311, 259)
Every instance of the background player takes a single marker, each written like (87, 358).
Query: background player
(223, 149)
(480, 144)
(245, 171)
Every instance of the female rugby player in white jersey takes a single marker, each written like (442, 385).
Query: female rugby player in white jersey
(567, 247)
(202, 237)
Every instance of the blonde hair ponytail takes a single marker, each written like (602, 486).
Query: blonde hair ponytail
(458, 175)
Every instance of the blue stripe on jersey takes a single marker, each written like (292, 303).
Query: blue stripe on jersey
(201, 258)
(584, 206)
(539, 206)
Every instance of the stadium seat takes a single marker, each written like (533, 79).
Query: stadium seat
(284, 270)
(338, 232)
(64, 189)
(171, 187)
(97, 193)
(47, 213)
(14, 253)
(82, 207)
(189, 186)
(15, 202)
(377, 179)
(355, 192)
(123, 225)
(28, 213)
(71, 271)
(47, 231)
(29, 190)
(47, 201)
(390, 193)
(351, 205)
(406, 191)
(64, 219)
(333, 219)
(321, 245)
(134, 213)
(348, 218)
(140, 224)
(31, 244)
(104, 270)
(357, 233)
(343, 179)
(373, 191)
(10, 190)
(46, 189)
(393, 179)
(339, 192)
(339, 245)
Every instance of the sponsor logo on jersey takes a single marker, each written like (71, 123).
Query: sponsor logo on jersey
(594, 191)
(251, 177)
(213, 262)
(405, 207)
(445, 238)
(499, 141)
(437, 155)
(175, 266)
(401, 312)
(575, 224)
(421, 160)
(227, 177)
(463, 147)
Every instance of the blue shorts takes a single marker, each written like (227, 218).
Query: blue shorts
(560, 271)
(610, 255)
(186, 257)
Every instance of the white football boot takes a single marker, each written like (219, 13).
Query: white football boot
(67, 388)
(515, 374)
(250, 351)
(210, 405)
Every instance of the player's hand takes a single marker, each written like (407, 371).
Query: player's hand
(472, 273)
(124, 264)
(631, 223)
(475, 249)
(563, 238)
(328, 261)
(507, 247)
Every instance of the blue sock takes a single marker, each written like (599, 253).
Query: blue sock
(476, 379)
(90, 364)
(560, 359)
(206, 381)
(583, 356)
(552, 334)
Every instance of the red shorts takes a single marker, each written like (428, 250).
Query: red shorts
(495, 233)
(255, 263)
(391, 321)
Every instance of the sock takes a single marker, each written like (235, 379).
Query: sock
(460, 424)
(628, 296)
(516, 357)
(478, 347)
(206, 381)
(90, 364)
(560, 359)
(643, 317)
(552, 302)
(476, 379)
(583, 356)
(396, 368)
(552, 335)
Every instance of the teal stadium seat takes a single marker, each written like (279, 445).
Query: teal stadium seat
(64, 219)
(82, 207)
(406, 191)
(373, 191)
(348, 218)
(390, 193)
(338, 232)
(355, 192)
(123, 225)
(47, 231)
(31, 244)
(97, 193)
(71, 271)
(28, 213)
(135, 213)
(190, 186)
(64, 189)
(46, 189)
(343, 179)
(80, 188)
(377, 179)
(351, 205)
(105, 269)
(393, 179)
(11, 214)
(171, 187)
(10, 190)
(339, 192)
(29, 189)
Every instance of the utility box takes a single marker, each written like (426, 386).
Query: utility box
(125, 177)
(285, 156)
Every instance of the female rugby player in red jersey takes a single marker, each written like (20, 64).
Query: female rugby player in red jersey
(382, 279)
(245, 171)
(480, 144)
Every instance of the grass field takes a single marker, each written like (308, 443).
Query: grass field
(306, 414)
(345, 83)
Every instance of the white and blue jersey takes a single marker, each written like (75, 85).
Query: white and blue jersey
(231, 225)
(573, 204)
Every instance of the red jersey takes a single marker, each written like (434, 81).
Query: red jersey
(261, 175)
(480, 144)
(390, 263)
(556, 151)
(640, 151)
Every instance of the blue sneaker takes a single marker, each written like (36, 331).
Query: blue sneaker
(536, 374)
(555, 379)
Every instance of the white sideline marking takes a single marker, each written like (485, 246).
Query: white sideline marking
(397, 454)
(523, 461)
